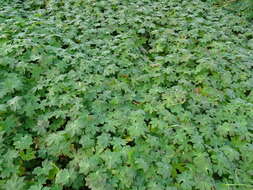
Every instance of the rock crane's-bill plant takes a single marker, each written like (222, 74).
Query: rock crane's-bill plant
(125, 95)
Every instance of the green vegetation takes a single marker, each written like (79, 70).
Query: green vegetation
(239, 7)
(125, 95)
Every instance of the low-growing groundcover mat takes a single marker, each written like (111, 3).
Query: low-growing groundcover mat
(125, 95)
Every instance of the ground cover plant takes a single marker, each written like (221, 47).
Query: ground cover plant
(125, 95)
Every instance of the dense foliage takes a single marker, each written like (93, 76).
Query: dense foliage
(125, 95)
(239, 7)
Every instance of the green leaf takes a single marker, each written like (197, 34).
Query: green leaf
(23, 142)
(62, 177)
(15, 182)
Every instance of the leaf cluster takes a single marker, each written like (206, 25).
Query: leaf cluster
(125, 95)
